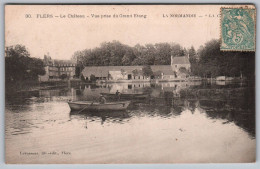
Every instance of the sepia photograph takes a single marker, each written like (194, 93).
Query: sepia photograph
(130, 84)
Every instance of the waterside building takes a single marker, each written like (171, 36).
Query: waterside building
(57, 69)
(135, 73)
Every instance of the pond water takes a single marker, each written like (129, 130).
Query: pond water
(178, 122)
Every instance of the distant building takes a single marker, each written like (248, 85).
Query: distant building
(57, 69)
(178, 62)
(135, 73)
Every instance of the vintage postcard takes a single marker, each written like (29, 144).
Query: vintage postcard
(130, 84)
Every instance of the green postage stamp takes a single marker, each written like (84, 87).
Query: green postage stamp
(238, 29)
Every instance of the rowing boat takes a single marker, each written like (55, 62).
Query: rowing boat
(126, 95)
(95, 106)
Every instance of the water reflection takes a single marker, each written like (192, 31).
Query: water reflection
(108, 117)
(194, 113)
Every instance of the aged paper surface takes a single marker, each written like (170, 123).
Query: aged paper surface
(126, 84)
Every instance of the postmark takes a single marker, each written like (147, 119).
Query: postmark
(237, 29)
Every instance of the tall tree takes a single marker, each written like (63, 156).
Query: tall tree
(163, 54)
(147, 70)
(20, 66)
(115, 54)
(219, 63)
(192, 53)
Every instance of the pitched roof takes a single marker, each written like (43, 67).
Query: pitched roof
(165, 69)
(56, 62)
(102, 71)
(64, 62)
(180, 60)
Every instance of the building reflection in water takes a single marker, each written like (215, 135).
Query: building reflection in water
(233, 103)
(206, 119)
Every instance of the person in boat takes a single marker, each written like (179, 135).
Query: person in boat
(102, 99)
(118, 94)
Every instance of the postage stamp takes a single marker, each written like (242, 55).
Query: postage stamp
(237, 29)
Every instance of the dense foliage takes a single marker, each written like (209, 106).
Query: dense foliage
(118, 54)
(19, 66)
(214, 62)
(207, 61)
(147, 70)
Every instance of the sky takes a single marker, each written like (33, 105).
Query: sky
(61, 37)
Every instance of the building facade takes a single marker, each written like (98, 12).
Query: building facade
(57, 69)
(180, 62)
(135, 73)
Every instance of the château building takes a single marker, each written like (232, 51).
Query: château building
(57, 69)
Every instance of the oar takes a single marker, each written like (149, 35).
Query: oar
(85, 107)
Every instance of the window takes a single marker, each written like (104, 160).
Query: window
(176, 66)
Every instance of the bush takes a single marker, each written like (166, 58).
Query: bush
(20, 66)
(92, 78)
(82, 78)
(147, 71)
(63, 76)
(183, 70)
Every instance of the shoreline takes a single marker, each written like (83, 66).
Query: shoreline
(27, 86)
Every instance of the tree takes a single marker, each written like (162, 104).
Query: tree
(184, 52)
(214, 62)
(138, 61)
(192, 52)
(82, 78)
(157, 74)
(135, 72)
(149, 54)
(147, 70)
(78, 58)
(117, 54)
(92, 78)
(163, 54)
(78, 70)
(183, 70)
(17, 51)
(63, 76)
(35, 68)
(176, 49)
(20, 66)
(128, 58)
